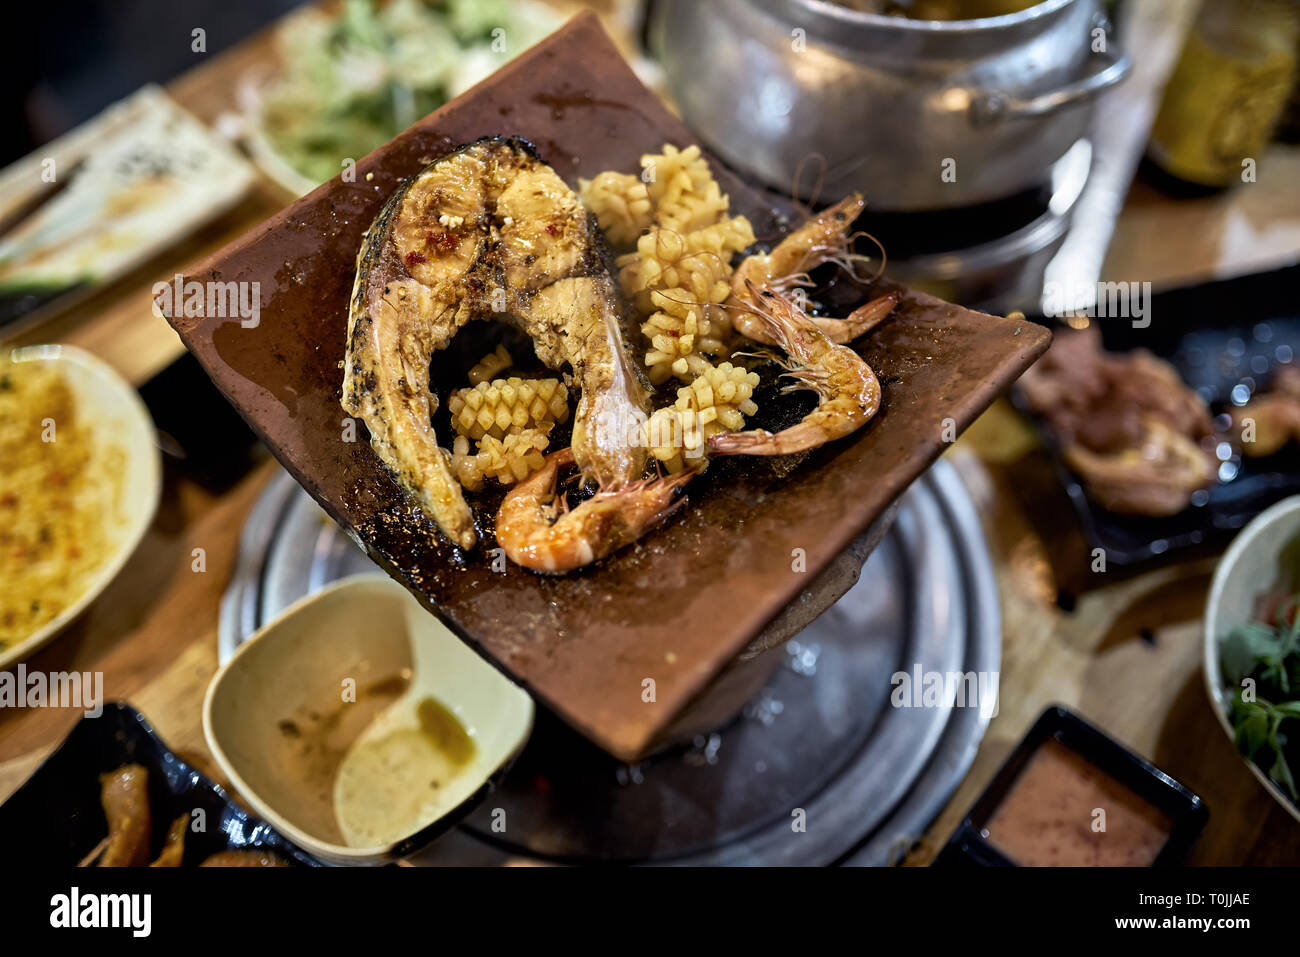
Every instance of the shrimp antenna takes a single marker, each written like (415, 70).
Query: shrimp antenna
(884, 256)
(818, 183)
(805, 209)
(684, 302)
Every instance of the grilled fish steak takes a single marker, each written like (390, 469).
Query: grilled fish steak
(489, 231)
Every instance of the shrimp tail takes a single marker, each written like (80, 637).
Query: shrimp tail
(861, 320)
(798, 438)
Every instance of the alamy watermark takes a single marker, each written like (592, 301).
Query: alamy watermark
(945, 689)
(210, 300)
(1099, 300)
(54, 689)
(127, 911)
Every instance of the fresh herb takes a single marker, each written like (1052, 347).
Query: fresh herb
(1259, 647)
(1262, 659)
(1258, 736)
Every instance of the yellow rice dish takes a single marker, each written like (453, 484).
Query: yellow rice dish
(59, 497)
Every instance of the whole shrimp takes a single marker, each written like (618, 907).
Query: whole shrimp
(823, 238)
(849, 390)
(539, 531)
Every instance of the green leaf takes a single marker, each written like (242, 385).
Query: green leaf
(1252, 723)
(1245, 647)
(1281, 773)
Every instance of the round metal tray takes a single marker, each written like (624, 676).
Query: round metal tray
(818, 769)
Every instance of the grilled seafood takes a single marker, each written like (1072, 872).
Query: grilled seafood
(489, 230)
(539, 531)
(840, 331)
(823, 238)
(848, 388)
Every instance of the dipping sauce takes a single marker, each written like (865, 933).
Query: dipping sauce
(390, 785)
(1047, 818)
(313, 743)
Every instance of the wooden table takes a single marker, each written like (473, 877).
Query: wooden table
(1127, 656)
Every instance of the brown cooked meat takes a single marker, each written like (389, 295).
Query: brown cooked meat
(1141, 440)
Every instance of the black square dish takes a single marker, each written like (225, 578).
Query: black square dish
(1221, 336)
(1185, 812)
(56, 819)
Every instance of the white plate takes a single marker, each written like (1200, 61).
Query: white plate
(113, 412)
(1247, 570)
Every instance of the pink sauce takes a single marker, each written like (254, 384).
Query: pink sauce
(1047, 818)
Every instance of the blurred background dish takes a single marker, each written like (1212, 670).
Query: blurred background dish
(1061, 772)
(1223, 346)
(1249, 632)
(57, 817)
(108, 197)
(351, 78)
(80, 485)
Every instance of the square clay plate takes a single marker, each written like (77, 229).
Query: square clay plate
(682, 603)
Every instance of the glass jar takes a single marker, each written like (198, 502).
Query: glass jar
(1226, 94)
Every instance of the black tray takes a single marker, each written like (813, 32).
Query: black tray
(968, 847)
(55, 819)
(1218, 336)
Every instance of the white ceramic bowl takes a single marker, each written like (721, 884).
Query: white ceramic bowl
(113, 412)
(1246, 571)
(365, 628)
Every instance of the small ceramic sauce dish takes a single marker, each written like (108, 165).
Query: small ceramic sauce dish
(1071, 796)
(360, 726)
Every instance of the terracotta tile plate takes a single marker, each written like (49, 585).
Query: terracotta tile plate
(679, 605)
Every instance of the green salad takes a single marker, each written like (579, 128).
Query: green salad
(353, 79)
(1265, 711)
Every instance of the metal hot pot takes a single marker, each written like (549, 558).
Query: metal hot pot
(917, 114)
